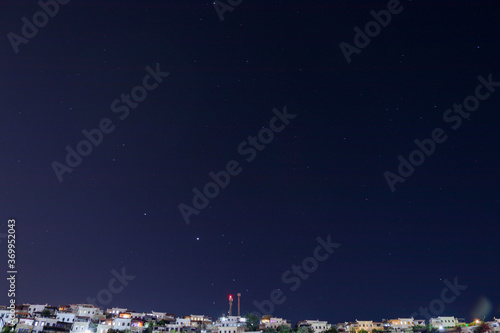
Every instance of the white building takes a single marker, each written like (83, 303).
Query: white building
(41, 322)
(66, 317)
(118, 323)
(231, 324)
(401, 324)
(419, 322)
(196, 320)
(87, 310)
(495, 325)
(183, 322)
(318, 326)
(160, 329)
(443, 322)
(26, 321)
(273, 322)
(23, 328)
(159, 315)
(36, 308)
(138, 315)
(137, 325)
(122, 323)
(104, 326)
(175, 327)
(366, 325)
(25, 325)
(116, 311)
(6, 316)
(80, 326)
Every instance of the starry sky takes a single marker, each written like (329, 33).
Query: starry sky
(213, 87)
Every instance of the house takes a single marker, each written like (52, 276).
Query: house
(104, 325)
(162, 316)
(60, 327)
(231, 324)
(351, 326)
(24, 328)
(80, 325)
(137, 325)
(65, 316)
(50, 310)
(443, 322)
(342, 327)
(401, 324)
(87, 310)
(6, 316)
(365, 325)
(197, 320)
(116, 311)
(26, 321)
(137, 315)
(64, 308)
(41, 322)
(25, 325)
(317, 325)
(269, 321)
(22, 311)
(122, 323)
(36, 308)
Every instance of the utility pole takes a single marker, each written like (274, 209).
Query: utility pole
(230, 304)
(239, 295)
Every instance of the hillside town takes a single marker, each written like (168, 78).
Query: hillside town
(86, 318)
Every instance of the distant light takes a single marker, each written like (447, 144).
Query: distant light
(230, 297)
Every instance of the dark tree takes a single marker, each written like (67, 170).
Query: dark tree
(253, 322)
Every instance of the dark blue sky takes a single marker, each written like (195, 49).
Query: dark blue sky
(323, 174)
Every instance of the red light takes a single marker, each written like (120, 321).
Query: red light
(230, 297)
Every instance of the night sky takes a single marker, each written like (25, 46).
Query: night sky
(322, 172)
